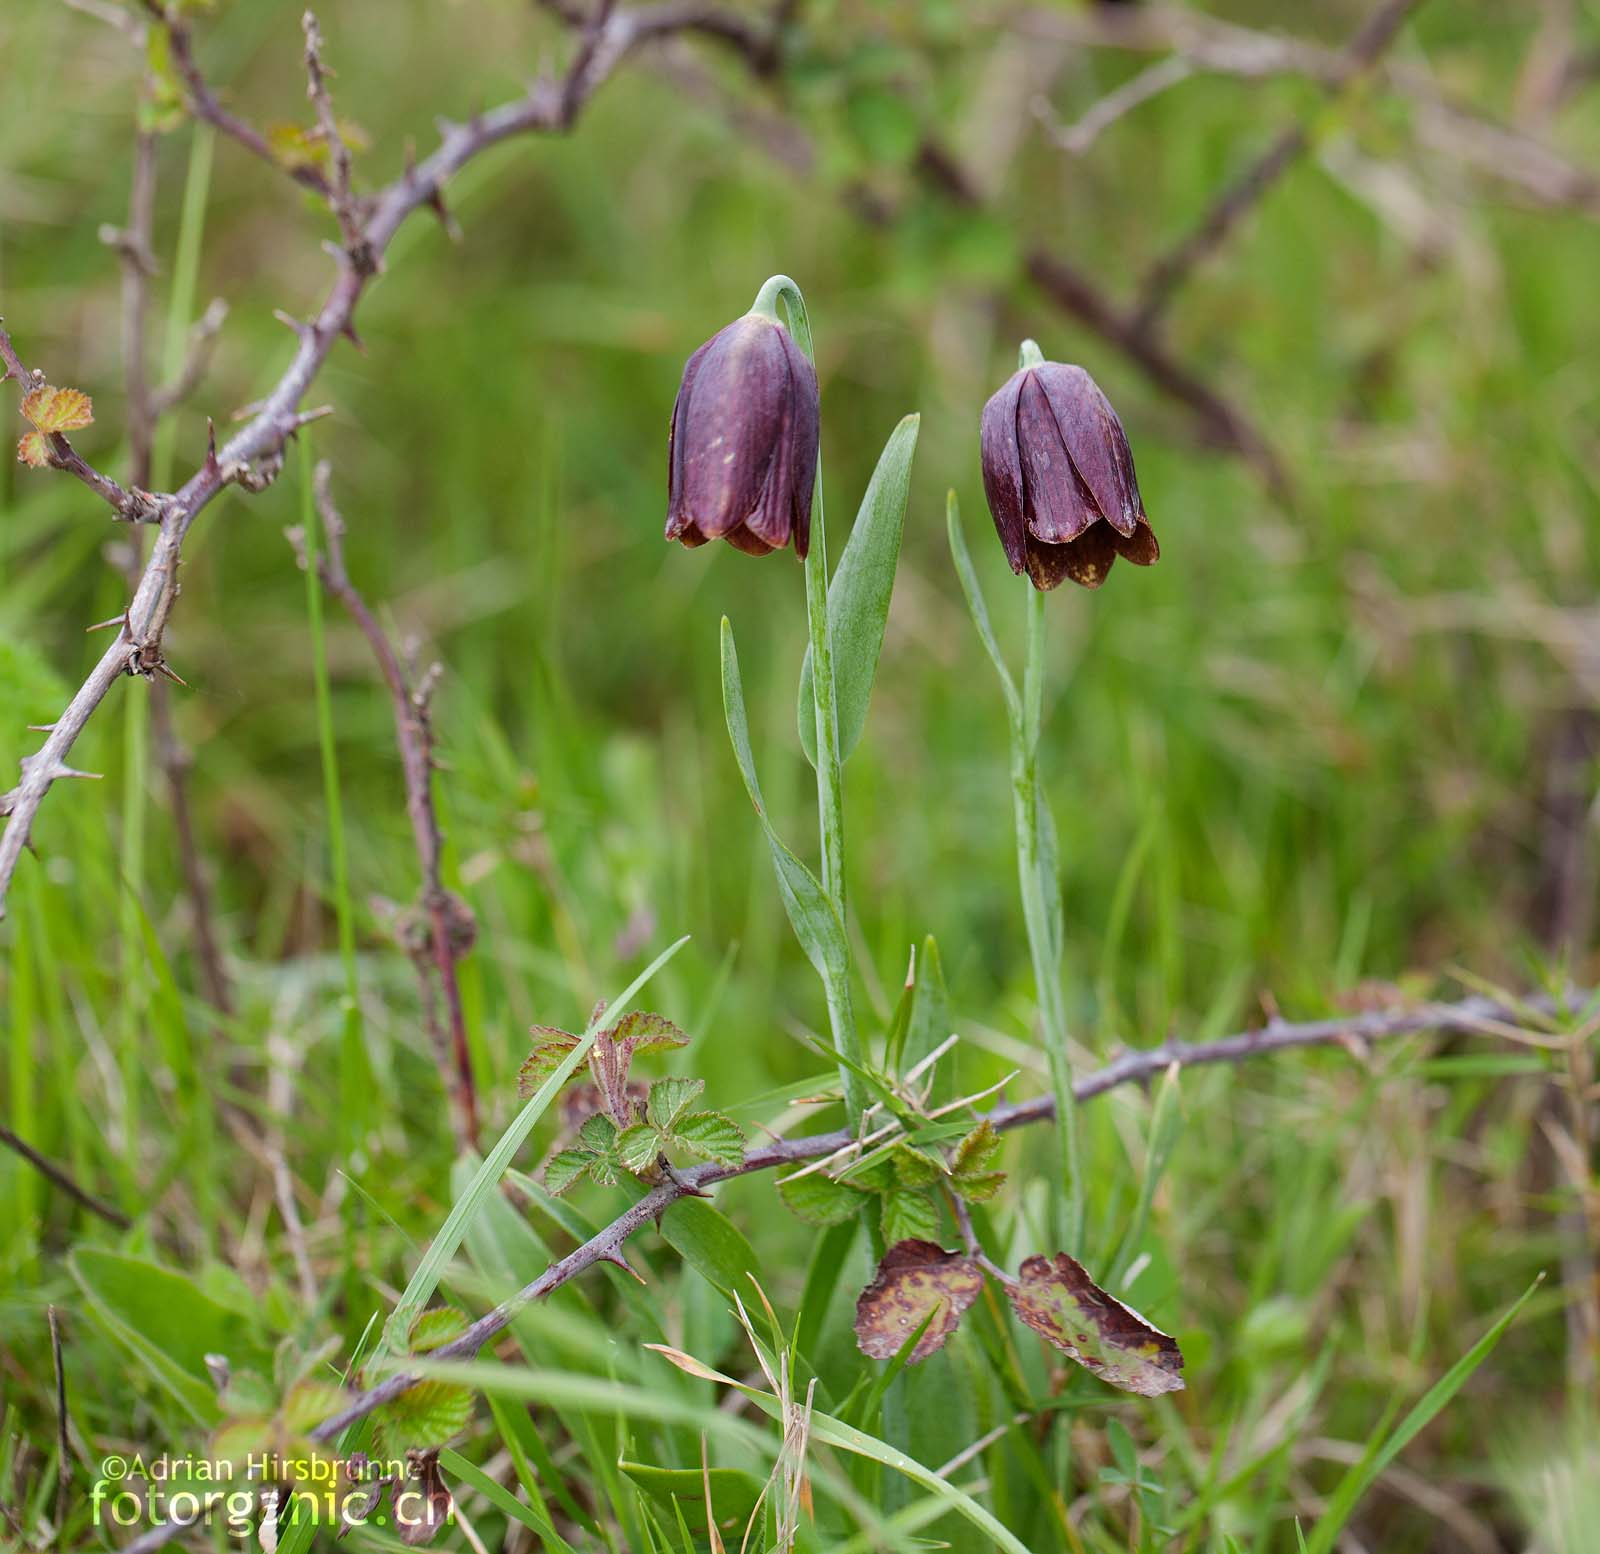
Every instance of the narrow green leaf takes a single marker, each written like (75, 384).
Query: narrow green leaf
(930, 1006)
(815, 922)
(858, 596)
(1378, 1456)
(976, 606)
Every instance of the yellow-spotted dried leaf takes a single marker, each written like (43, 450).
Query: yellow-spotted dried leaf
(54, 409)
(33, 451)
(1061, 1303)
(917, 1281)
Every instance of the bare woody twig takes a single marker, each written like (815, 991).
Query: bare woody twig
(204, 104)
(59, 1178)
(252, 455)
(1472, 1014)
(1168, 273)
(132, 506)
(446, 935)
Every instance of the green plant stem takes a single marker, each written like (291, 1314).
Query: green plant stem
(830, 785)
(1036, 875)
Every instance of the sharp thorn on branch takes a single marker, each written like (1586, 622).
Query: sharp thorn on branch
(617, 1260)
(304, 330)
(106, 625)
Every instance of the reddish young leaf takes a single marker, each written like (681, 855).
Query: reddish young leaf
(1061, 1303)
(914, 1279)
(33, 451)
(58, 409)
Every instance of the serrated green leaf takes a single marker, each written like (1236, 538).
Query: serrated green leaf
(308, 1404)
(976, 1152)
(643, 1032)
(598, 1134)
(979, 1187)
(565, 1168)
(873, 1172)
(859, 595)
(820, 1200)
(810, 912)
(909, 1214)
(424, 1418)
(712, 1136)
(669, 1099)
(550, 1047)
(912, 1168)
(638, 1146)
(435, 1328)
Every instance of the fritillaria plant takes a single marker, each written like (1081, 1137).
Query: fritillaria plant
(744, 465)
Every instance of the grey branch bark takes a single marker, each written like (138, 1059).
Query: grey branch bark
(1353, 1032)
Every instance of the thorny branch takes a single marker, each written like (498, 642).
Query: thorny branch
(444, 938)
(252, 456)
(1354, 1033)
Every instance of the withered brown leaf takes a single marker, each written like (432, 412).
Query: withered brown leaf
(1061, 1303)
(914, 1279)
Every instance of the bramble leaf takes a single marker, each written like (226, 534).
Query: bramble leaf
(54, 409)
(643, 1032)
(550, 1047)
(975, 1154)
(33, 451)
(712, 1136)
(308, 1404)
(912, 1167)
(669, 1098)
(979, 1186)
(909, 1214)
(565, 1168)
(425, 1417)
(917, 1281)
(638, 1146)
(1060, 1302)
(820, 1200)
(435, 1328)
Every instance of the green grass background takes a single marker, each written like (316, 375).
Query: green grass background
(1307, 752)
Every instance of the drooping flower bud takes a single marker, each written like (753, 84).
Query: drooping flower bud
(1059, 477)
(742, 458)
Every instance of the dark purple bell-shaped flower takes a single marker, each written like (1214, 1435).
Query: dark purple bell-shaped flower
(742, 458)
(1059, 477)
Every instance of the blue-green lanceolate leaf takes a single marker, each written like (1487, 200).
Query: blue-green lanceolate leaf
(858, 596)
(816, 924)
